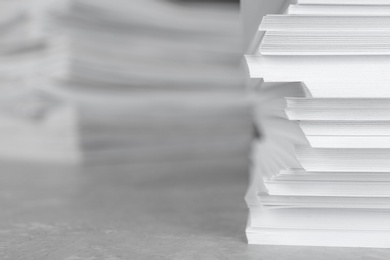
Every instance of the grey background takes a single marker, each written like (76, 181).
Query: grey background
(71, 213)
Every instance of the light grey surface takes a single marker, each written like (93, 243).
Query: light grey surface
(173, 213)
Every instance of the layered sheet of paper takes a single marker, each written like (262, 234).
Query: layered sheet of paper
(322, 178)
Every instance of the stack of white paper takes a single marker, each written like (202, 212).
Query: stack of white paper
(322, 178)
(122, 82)
(149, 44)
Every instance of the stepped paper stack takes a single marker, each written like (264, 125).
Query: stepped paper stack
(321, 176)
(134, 82)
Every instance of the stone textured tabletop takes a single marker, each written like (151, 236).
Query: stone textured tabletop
(52, 212)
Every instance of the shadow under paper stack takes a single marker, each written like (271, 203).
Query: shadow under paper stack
(121, 82)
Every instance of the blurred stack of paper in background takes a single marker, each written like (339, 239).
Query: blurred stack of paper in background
(21, 44)
(132, 82)
(321, 174)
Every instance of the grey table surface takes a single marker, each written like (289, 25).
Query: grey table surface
(53, 212)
